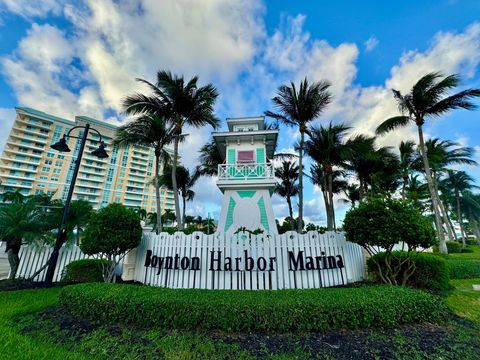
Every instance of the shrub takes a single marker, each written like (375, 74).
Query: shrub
(85, 270)
(230, 310)
(467, 250)
(463, 269)
(430, 271)
(112, 232)
(378, 224)
(471, 242)
(454, 247)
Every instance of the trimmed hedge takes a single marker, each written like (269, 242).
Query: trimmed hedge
(431, 272)
(463, 269)
(243, 311)
(454, 247)
(467, 250)
(471, 242)
(85, 270)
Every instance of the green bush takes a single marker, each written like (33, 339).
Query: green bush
(467, 250)
(85, 270)
(241, 311)
(454, 247)
(463, 269)
(471, 242)
(431, 272)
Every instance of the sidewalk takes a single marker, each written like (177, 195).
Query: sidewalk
(4, 266)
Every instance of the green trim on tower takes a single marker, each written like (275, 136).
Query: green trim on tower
(263, 214)
(246, 193)
(260, 155)
(229, 218)
(231, 156)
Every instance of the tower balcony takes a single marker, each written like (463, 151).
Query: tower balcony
(246, 175)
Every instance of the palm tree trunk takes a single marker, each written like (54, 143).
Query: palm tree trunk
(444, 214)
(452, 229)
(460, 220)
(174, 182)
(361, 193)
(290, 210)
(300, 181)
(438, 221)
(184, 198)
(158, 225)
(330, 201)
(13, 260)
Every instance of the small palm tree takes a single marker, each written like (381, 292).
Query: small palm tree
(352, 194)
(13, 197)
(327, 148)
(458, 182)
(152, 131)
(299, 109)
(407, 158)
(470, 204)
(19, 223)
(287, 188)
(417, 192)
(181, 103)
(361, 153)
(209, 160)
(427, 99)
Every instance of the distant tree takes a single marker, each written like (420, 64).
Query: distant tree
(209, 160)
(111, 233)
(407, 158)
(299, 108)
(287, 187)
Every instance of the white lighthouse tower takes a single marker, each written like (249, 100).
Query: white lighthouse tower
(246, 177)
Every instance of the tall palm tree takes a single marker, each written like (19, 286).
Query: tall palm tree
(299, 109)
(19, 223)
(181, 103)
(287, 188)
(352, 194)
(458, 182)
(427, 99)
(407, 158)
(152, 131)
(416, 191)
(327, 148)
(185, 182)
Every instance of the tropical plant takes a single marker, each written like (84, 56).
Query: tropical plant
(180, 104)
(209, 160)
(299, 109)
(416, 191)
(142, 213)
(458, 182)
(352, 194)
(327, 148)
(427, 99)
(470, 205)
(13, 197)
(149, 129)
(185, 182)
(112, 232)
(287, 188)
(22, 223)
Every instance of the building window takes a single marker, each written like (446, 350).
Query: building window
(58, 163)
(54, 178)
(245, 156)
(56, 171)
(50, 155)
(48, 162)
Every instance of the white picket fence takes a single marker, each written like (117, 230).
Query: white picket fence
(32, 258)
(154, 268)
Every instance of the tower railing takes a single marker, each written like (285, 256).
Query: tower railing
(247, 171)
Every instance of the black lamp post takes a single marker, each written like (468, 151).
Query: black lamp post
(62, 146)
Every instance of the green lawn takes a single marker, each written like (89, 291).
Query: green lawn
(465, 301)
(467, 256)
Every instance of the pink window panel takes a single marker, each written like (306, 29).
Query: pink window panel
(245, 156)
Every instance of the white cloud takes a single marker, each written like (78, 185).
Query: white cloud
(371, 43)
(7, 117)
(29, 8)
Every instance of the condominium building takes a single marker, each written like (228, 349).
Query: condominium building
(29, 165)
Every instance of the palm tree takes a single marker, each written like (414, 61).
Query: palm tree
(352, 194)
(427, 99)
(13, 197)
(78, 217)
(142, 213)
(326, 147)
(152, 131)
(458, 182)
(334, 185)
(287, 173)
(407, 158)
(416, 191)
(209, 160)
(181, 104)
(168, 216)
(470, 204)
(185, 182)
(22, 222)
(299, 108)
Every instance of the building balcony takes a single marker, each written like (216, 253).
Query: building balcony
(32, 132)
(22, 161)
(17, 177)
(18, 168)
(17, 144)
(27, 122)
(246, 175)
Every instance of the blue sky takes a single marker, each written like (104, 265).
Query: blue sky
(80, 58)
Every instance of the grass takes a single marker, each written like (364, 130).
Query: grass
(465, 301)
(467, 256)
